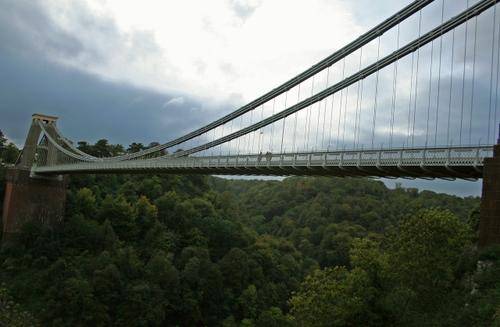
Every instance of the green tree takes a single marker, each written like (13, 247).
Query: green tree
(333, 297)
(11, 313)
(367, 254)
(109, 285)
(84, 203)
(424, 260)
(235, 269)
(121, 216)
(3, 140)
(483, 299)
(135, 147)
(248, 302)
(143, 305)
(72, 303)
(8, 151)
(147, 215)
(274, 317)
(336, 242)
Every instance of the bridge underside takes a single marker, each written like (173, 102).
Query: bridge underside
(429, 172)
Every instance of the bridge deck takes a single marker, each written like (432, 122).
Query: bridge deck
(453, 162)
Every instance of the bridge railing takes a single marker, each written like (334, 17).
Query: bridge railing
(374, 162)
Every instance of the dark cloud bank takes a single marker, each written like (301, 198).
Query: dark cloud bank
(89, 107)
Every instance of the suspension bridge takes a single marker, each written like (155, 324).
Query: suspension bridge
(414, 97)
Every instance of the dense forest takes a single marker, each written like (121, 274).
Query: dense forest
(168, 250)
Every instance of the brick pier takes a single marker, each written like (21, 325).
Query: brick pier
(489, 225)
(31, 199)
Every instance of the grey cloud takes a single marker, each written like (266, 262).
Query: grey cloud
(370, 15)
(89, 107)
(201, 66)
(25, 27)
(173, 102)
(228, 70)
(243, 8)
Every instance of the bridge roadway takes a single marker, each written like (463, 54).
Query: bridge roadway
(429, 163)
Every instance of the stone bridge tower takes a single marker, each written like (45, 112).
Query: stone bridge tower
(29, 197)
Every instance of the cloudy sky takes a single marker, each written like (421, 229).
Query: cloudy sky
(150, 70)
